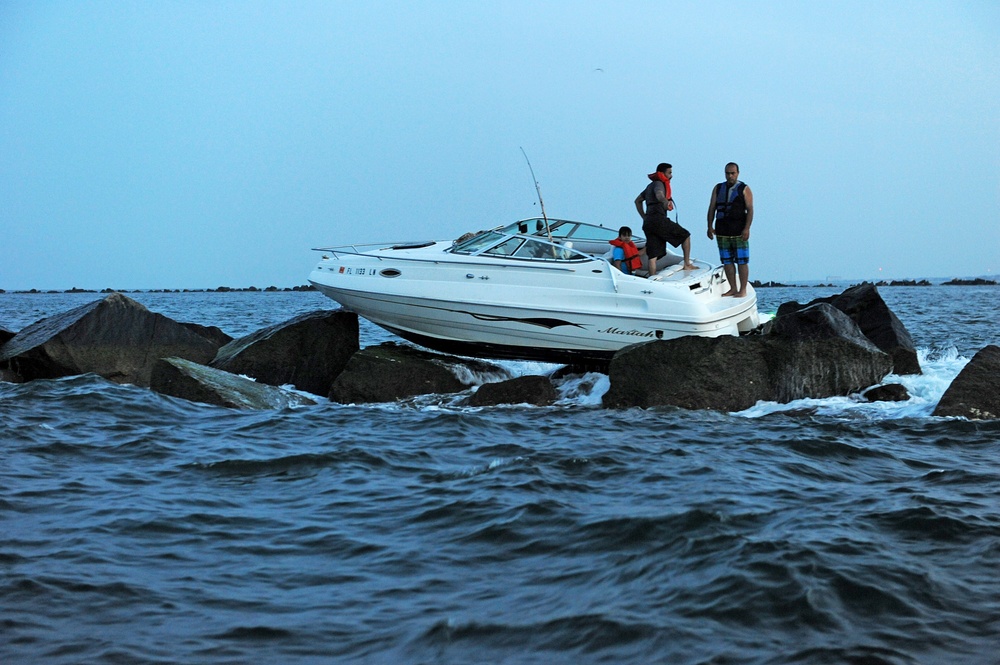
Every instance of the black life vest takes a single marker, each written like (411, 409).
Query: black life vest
(730, 209)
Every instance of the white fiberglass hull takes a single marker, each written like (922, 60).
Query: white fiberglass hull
(508, 309)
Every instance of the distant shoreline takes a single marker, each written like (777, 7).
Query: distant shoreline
(978, 281)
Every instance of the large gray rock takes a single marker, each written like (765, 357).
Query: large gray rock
(308, 351)
(535, 390)
(115, 337)
(877, 322)
(815, 353)
(820, 352)
(975, 392)
(391, 371)
(5, 335)
(722, 373)
(198, 383)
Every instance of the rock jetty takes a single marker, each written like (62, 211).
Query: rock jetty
(814, 352)
(115, 337)
(844, 344)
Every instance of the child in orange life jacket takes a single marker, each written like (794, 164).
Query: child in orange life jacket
(625, 255)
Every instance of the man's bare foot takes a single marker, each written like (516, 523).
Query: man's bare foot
(728, 293)
(690, 266)
(741, 294)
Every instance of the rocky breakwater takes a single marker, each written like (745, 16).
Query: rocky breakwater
(814, 352)
(115, 337)
(837, 346)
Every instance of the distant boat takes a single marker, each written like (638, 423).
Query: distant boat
(536, 289)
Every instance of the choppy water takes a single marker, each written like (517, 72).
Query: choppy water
(140, 528)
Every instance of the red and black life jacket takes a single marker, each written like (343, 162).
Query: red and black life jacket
(632, 259)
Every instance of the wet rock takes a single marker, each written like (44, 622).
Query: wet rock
(535, 390)
(722, 373)
(308, 351)
(9, 376)
(5, 335)
(213, 334)
(198, 383)
(115, 337)
(975, 392)
(877, 322)
(889, 392)
(818, 352)
(391, 371)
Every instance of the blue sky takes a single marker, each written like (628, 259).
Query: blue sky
(202, 144)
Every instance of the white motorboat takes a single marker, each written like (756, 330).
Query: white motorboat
(537, 290)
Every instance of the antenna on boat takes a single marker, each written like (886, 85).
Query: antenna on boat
(539, 190)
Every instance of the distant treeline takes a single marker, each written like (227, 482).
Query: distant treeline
(757, 284)
(979, 281)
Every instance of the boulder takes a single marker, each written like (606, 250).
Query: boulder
(975, 392)
(536, 390)
(212, 333)
(391, 371)
(9, 376)
(724, 373)
(5, 335)
(198, 383)
(889, 392)
(115, 337)
(877, 322)
(308, 351)
(818, 352)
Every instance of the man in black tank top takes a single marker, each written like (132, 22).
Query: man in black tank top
(730, 213)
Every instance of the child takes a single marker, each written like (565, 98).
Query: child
(625, 255)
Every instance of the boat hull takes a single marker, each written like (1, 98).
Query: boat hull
(568, 314)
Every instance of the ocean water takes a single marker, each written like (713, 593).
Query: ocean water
(138, 528)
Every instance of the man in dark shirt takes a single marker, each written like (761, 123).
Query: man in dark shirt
(658, 229)
(730, 213)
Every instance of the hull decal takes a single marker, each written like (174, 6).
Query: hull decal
(541, 322)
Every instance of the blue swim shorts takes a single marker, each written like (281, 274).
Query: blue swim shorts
(733, 249)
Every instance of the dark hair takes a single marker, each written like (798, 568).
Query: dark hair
(733, 164)
(624, 230)
(663, 166)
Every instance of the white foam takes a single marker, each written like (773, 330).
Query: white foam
(940, 367)
(585, 390)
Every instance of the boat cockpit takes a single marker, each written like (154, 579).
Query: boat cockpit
(538, 239)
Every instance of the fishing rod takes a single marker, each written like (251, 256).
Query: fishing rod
(539, 190)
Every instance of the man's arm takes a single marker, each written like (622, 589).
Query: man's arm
(638, 204)
(748, 197)
(711, 214)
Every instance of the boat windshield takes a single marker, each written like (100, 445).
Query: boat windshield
(528, 239)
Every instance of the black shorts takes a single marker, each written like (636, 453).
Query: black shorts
(659, 231)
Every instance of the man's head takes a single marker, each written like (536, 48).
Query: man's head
(625, 234)
(732, 173)
(665, 169)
